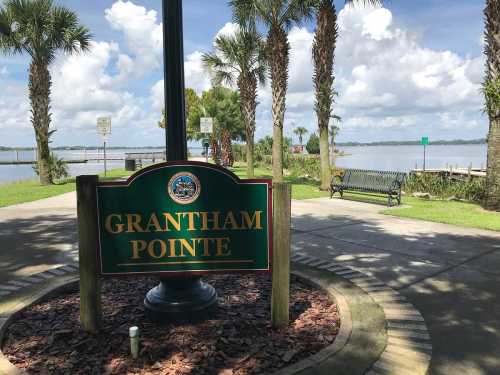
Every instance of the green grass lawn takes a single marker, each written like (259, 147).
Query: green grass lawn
(30, 190)
(463, 214)
(457, 213)
(302, 188)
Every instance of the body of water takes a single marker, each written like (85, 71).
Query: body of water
(397, 158)
(405, 158)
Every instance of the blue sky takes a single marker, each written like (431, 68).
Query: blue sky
(409, 69)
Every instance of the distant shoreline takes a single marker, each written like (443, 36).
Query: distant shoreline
(340, 144)
(479, 141)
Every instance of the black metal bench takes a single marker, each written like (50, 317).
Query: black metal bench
(384, 182)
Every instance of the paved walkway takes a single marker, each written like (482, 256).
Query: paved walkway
(451, 274)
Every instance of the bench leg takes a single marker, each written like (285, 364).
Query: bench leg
(389, 200)
(341, 193)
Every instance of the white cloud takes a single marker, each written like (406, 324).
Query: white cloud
(14, 108)
(4, 71)
(143, 35)
(229, 29)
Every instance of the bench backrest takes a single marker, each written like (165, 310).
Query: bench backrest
(369, 179)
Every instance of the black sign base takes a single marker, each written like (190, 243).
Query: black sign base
(180, 299)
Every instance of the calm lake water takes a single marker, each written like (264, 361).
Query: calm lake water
(397, 158)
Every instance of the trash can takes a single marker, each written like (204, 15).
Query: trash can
(130, 164)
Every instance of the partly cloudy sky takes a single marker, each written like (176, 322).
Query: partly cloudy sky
(409, 69)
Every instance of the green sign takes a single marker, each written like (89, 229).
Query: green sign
(184, 217)
(425, 141)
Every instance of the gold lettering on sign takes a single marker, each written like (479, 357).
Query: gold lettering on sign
(134, 223)
(214, 220)
(116, 228)
(137, 247)
(152, 249)
(249, 222)
(223, 247)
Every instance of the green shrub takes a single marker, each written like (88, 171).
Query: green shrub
(58, 167)
(239, 152)
(444, 187)
(312, 145)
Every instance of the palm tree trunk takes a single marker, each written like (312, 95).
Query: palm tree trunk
(492, 201)
(323, 55)
(492, 88)
(324, 151)
(39, 93)
(279, 47)
(248, 91)
(250, 162)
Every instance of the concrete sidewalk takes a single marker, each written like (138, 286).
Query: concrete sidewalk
(451, 274)
(37, 236)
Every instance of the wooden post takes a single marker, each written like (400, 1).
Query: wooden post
(90, 281)
(282, 195)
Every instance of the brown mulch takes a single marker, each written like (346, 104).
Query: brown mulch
(238, 338)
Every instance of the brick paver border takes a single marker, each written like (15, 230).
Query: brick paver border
(409, 347)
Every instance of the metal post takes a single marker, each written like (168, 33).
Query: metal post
(185, 297)
(173, 53)
(105, 171)
(424, 157)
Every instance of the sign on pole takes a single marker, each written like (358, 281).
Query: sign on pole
(206, 125)
(184, 218)
(104, 126)
(424, 142)
(104, 129)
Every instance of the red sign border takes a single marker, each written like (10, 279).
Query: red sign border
(239, 181)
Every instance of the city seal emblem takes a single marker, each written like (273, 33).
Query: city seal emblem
(184, 188)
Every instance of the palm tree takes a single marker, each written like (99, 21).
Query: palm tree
(300, 132)
(333, 131)
(492, 95)
(325, 40)
(40, 28)
(277, 16)
(241, 59)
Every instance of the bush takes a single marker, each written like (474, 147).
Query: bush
(444, 187)
(58, 167)
(239, 152)
(312, 145)
(264, 148)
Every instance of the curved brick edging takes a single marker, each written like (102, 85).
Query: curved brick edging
(409, 347)
(338, 344)
(26, 289)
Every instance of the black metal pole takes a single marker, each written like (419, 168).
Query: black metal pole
(185, 297)
(173, 53)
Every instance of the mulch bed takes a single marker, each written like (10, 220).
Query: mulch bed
(238, 338)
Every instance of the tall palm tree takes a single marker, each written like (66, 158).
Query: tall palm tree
(300, 132)
(241, 59)
(40, 28)
(277, 16)
(325, 40)
(492, 95)
(333, 131)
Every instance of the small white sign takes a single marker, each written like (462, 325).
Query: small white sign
(206, 125)
(104, 126)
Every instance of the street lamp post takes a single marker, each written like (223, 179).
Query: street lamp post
(185, 297)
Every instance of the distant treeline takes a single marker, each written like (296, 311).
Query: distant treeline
(413, 143)
(80, 148)
(384, 143)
